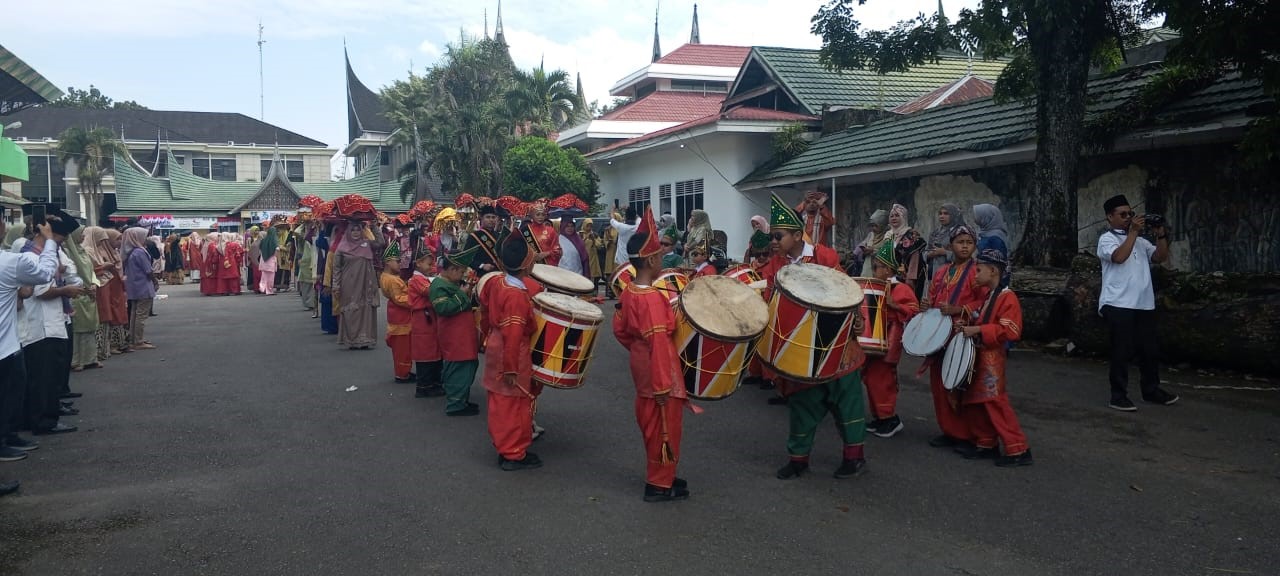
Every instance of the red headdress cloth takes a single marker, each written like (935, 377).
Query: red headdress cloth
(652, 244)
(354, 207)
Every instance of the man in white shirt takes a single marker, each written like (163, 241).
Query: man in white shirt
(1128, 302)
(625, 231)
(17, 270)
(42, 328)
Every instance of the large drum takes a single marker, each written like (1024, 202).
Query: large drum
(745, 274)
(671, 283)
(480, 284)
(875, 327)
(811, 321)
(563, 281)
(957, 363)
(622, 278)
(926, 333)
(718, 320)
(563, 338)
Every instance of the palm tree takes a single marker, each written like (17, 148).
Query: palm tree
(544, 101)
(94, 151)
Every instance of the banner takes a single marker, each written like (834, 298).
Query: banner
(259, 216)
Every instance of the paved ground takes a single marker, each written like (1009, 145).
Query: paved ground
(234, 449)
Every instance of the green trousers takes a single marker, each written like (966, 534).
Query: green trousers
(841, 397)
(457, 378)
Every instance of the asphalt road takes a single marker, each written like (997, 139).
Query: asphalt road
(235, 449)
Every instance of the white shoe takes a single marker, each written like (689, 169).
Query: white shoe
(538, 431)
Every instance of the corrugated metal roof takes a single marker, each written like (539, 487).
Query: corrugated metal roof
(173, 125)
(736, 113)
(962, 90)
(21, 86)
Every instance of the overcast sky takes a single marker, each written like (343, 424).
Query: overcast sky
(202, 54)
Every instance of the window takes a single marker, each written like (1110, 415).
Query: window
(293, 170)
(664, 199)
(698, 86)
(200, 167)
(384, 157)
(638, 198)
(222, 169)
(688, 199)
(45, 182)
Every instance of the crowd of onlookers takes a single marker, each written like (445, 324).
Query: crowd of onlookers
(70, 298)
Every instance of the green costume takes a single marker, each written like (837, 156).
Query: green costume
(843, 398)
(458, 343)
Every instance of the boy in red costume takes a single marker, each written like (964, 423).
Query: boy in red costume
(954, 292)
(880, 373)
(423, 337)
(508, 361)
(451, 300)
(645, 326)
(399, 313)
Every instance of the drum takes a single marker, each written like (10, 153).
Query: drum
(926, 333)
(622, 278)
(563, 338)
(875, 327)
(671, 283)
(957, 363)
(718, 320)
(744, 273)
(480, 284)
(563, 281)
(811, 318)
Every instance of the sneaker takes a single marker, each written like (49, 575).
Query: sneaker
(10, 454)
(971, 452)
(888, 427)
(1123, 405)
(1023, 459)
(538, 431)
(872, 425)
(793, 469)
(943, 441)
(20, 443)
(851, 468)
(59, 428)
(655, 494)
(1160, 397)
(529, 461)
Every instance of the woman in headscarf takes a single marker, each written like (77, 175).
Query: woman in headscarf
(608, 264)
(251, 258)
(699, 231)
(138, 285)
(355, 287)
(284, 256)
(307, 265)
(232, 264)
(865, 251)
(173, 260)
(758, 224)
(195, 255)
(212, 259)
(593, 243)
(909, 247)
(268, 243)
(84, 317)
(990, 223)
(103, 249)
(939, 249)
(573, 251)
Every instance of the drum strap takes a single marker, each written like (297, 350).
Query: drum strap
(964, 276)
(488, 243)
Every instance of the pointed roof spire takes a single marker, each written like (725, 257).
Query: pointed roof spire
(497, 27)
(657, 48)
(695, 37)
(486, 23)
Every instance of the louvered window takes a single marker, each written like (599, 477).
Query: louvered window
(688, 199)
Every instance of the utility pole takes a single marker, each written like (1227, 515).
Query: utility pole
(262, 106)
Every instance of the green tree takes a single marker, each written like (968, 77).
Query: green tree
(543, 101)
(92, 99)
(1051, 46)
(93, 151)
(537, 168)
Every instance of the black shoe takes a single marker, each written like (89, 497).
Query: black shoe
(468, 411)
(971, 452)
(429, 392)
(768, 385)
(64, 411)
(1123, 405)
(778, 401)
(68, 403)
(680, 483)
(851, 468)
(473, 405)
(793, 469)
(59, 428)
(20, 443)
(872, 425)
(655, 494)
(530, 461)
(943, 441)
(888, 427)
(10, 454)
(1160, 397)
(70, 395)
(7, 488)
(410, 380)
(1023, 459)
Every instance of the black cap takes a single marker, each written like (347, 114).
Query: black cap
(513, 253)
(1115, 202)
(64, 225)
(487, 209)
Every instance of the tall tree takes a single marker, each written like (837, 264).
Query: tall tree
(537, 168)
(92, 99)
(543, 101)
(1051, 45)
(93, 152)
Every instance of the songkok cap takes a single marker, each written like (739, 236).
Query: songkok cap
(1115, 202)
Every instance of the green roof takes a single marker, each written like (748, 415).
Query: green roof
(21, 86)
(983, 125)
(814, 86)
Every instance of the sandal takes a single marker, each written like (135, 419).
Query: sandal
(144, 346)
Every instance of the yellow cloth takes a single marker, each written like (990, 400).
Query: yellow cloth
(397, 293)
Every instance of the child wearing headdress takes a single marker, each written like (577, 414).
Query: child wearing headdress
(880, 373)
(399, 314)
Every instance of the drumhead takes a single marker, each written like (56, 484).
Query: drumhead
(957, 363)
(724, 308)
(927, 333)
(569, 306)
(819, 287)
(562, 280)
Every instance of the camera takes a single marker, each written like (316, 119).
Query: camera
(1153, 221)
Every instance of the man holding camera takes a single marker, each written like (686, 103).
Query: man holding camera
(1128, 300)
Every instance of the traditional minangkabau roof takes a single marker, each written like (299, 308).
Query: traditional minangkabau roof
(177, 125)
(983, 126)
(807, 86)
(744, 113)
(962, 90)
(667, 106)
(21, 86)
(364, 106)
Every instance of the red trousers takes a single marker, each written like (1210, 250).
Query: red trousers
(951, 419)
(650, 417)
(881, 380)
(401, 354)
(229, 285)
(992, 420)
(510, 424)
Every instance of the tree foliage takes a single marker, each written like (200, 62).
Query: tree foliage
(537, 168)
(542, 102)
(92, 99)
(93, 150)
(788, 143)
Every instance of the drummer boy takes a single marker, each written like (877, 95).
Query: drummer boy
(451, 302)
(700, 257)
(645, 326)
(880, 373)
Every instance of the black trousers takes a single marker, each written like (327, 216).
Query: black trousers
(47, 365)
(13, 391)
(64, 385)
(1133, 332)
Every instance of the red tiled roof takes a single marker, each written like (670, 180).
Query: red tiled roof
(962, 90)
(707, 55)
(668, 107)
(736, 113)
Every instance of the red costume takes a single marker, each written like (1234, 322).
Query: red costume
(880, 373)
(987, 409)
(704, 269)
(952, 285)
(229, 271)
(645, 326)
(209, 283)
(423, 322)
(507, 353)
(548, 239)
(817, 225)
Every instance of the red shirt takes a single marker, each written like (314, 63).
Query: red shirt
(645, 325)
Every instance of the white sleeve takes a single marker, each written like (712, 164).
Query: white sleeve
(34, 271)
(1147, 247)
(71, 274)
(1107, 244)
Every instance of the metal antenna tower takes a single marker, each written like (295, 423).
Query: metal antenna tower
(262, 106)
